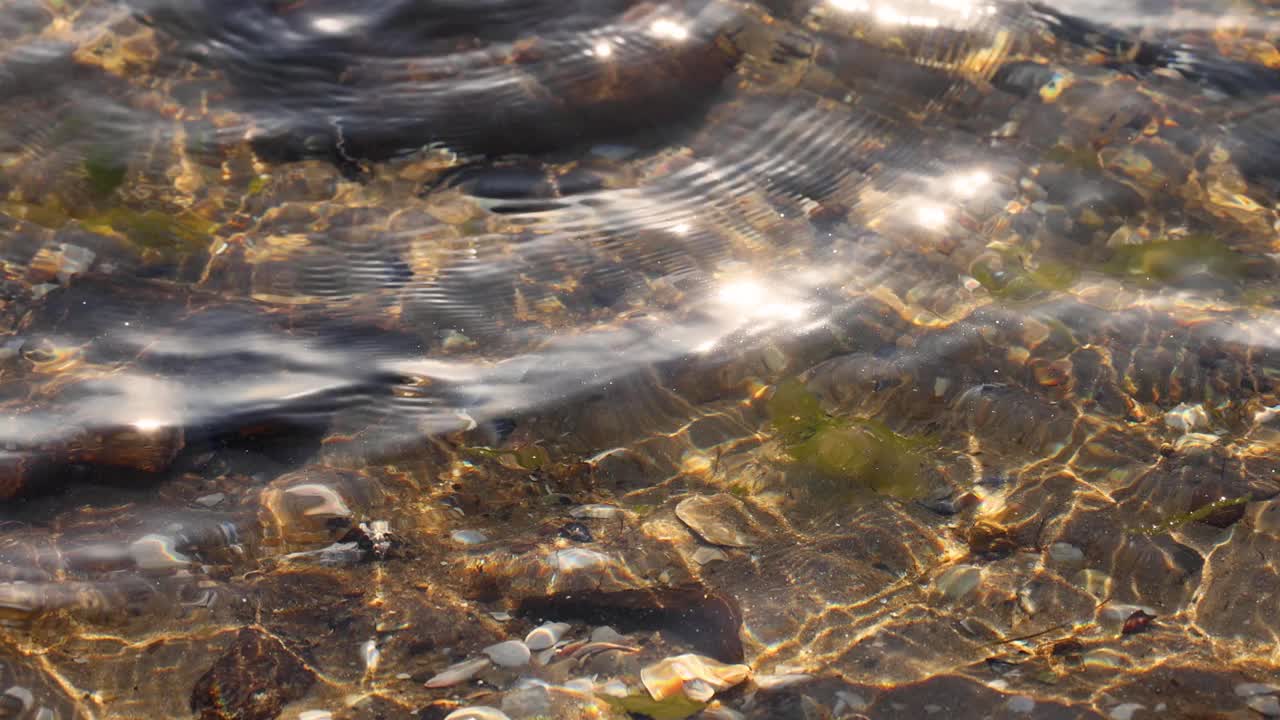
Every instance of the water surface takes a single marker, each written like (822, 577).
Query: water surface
(920, 356)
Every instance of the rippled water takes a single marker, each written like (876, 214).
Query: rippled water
(920, 355)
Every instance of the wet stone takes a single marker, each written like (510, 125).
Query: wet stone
(511, 653)
(1266, 705)
(718, 519)
(253, 680)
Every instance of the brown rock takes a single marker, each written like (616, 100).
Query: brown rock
(253, 680)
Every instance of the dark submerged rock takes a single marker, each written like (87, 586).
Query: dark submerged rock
(253, 680)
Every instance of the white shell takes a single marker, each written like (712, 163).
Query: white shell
(458, 673)
(479, 712)
(511, 653)
(694, 676)
(546, 635)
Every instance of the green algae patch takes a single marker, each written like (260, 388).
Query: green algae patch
(51, 214)
(105, 171)
(148, 229)
(845, 455)
(1173, 522)
(1171, 260)
(529, 457)
(1079, 158)
(795, 412)
(257, 185)
(677, 707)
(1018, 282)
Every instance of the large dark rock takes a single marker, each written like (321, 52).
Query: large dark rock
(254, 679)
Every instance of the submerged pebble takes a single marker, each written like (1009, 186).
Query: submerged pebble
(458, 673)
(604, 633)
(1267, 705)
(527, 702)
(1020, 704)
(546, 635)
(1066, 554)
(1125, 711)
(775, 682)
(469, 537)
(578, 559)
(706, 555)
(719, 519)
(479, 712)
(596, 512)
(957, 582)
(511, 653)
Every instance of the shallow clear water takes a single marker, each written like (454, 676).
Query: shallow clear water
(919, 356)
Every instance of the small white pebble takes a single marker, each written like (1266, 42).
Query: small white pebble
(1066, 553)
(458, 673)
(511, 653)
(546, 636)
(1125, 711)
(468, 537)
(773, 682)
(479, 712)
(595, 512)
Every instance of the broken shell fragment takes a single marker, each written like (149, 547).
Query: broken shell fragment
(546, 635)
(696, 677)
(719, 519)
(458, 673)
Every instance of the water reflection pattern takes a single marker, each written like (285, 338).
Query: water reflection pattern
(790, 358)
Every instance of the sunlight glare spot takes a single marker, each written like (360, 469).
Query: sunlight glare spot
(970, 183)
(741, 293)
(669, 29)
(931, 216)
(334, 24)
